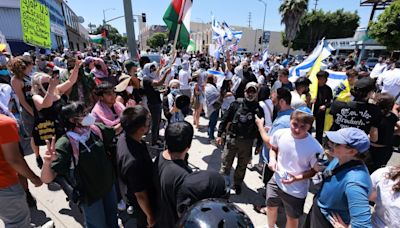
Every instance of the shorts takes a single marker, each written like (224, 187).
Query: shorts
(28, 121)
(14, 210)
(294, 206)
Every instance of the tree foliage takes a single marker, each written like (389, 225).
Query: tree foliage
(315, 25)
(113, 35)
(291, 12)
(387, 29)
(157, 40)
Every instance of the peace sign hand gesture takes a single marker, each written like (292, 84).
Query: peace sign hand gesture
(50, 154)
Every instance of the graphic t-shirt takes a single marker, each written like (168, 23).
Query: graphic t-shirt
(356, 114)
(8, 134)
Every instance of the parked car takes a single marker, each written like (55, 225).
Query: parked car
(371, 62)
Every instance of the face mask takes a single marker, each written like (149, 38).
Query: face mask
(129, 89)
(88, 120)
(98, 66)
(185, 66)
(174, 92)
(307, 90)
(250, 97)
(45, 86)
(4, 73)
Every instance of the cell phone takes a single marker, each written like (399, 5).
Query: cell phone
(56, 74)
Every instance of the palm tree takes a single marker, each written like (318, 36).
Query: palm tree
(291, 12)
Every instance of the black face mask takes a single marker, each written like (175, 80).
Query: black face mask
(98, 66)
(45, 86)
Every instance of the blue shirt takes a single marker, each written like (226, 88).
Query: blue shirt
(346, 194)
(282, 121)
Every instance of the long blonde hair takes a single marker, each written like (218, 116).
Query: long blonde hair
(37, 87)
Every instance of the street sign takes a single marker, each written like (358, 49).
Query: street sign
(266, 36)
(35, 21)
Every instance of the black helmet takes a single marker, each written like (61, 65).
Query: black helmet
(210, 213)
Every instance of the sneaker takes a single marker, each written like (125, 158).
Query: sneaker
(30, 199)
(237, 188)
(121, 206)
(39, 162)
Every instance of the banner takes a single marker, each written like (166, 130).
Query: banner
(35, 21)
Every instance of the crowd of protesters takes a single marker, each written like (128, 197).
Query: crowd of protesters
(97, 114)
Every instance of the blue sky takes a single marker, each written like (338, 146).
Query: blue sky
(234, 12)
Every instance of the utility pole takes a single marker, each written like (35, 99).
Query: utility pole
(315, 5)
(130, 29)
(249, 20)
(265, 12)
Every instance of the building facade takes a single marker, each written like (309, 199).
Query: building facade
(78, 36)
(11, 25)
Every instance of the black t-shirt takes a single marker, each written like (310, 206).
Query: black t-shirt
(356, 114)
(136, 171)
(171, 175)
(386, 130)
(153, 95)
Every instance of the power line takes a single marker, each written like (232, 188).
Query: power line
(249, 20)
(315, 5)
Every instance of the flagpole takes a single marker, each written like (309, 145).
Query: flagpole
(178, 28)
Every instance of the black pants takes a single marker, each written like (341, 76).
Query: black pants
(379, 157)
(315, 218)
(319, 125)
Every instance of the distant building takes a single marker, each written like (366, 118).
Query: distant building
(147, 32)
(11, 25)
(78, 36)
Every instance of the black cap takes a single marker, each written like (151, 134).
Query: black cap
(365, 84)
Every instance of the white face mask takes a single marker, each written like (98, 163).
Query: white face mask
(129, 89)
(88, 120)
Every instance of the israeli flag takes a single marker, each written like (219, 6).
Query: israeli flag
(218, 31)
(265, 55)
(335, 78)
(301, 70)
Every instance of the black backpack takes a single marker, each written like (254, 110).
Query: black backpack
(243, 122)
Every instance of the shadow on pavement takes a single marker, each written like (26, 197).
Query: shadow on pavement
(202, 140)
(38, 217)
(213, 160)
(74, 212)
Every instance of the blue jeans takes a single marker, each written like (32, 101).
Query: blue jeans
(103, 212)
(264, 155)
(212, 123)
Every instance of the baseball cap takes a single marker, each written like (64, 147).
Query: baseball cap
(253, 85)
(366, 84)
(173, 81)
(124, 80)
(352, 137)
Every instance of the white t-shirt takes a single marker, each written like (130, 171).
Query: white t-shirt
(378, 69)
(184, 76)
(387, 208)
(297, 102)
(295, 156)
(268, 108)
(391, 82)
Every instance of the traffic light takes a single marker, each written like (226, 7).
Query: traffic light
(259, 40)
(143, 17)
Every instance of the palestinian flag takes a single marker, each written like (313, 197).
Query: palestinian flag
(179, 11)
(191, 46)
(98, 39)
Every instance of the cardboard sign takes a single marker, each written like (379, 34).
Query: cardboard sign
(35, 21)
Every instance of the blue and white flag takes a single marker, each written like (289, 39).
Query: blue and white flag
(264, 55)
(218, 31)
(335, 78)
(304, 67)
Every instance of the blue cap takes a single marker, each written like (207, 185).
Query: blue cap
(352, 137)
(305, 110)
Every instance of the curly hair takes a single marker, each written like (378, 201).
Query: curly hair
(19, 64)
(394, 174)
